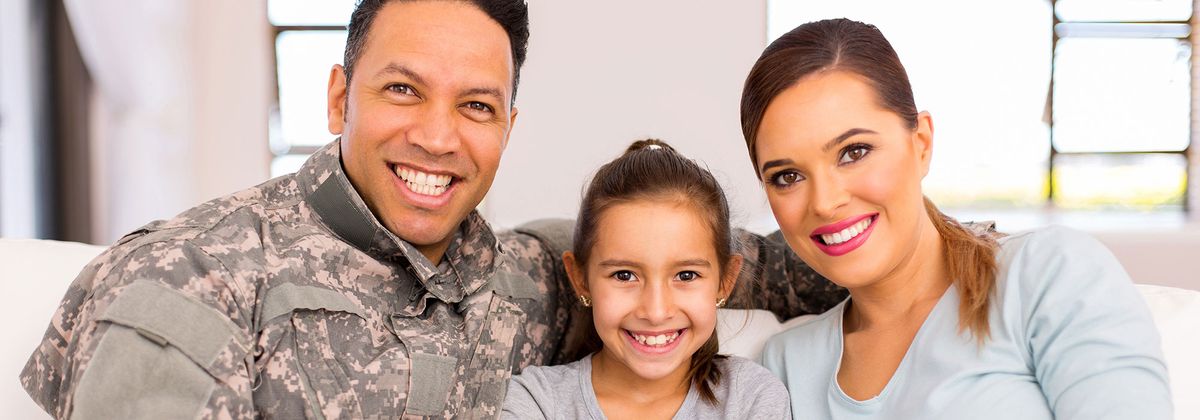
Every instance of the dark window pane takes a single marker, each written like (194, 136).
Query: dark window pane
(1121, 95)
(309, 12)
(1123, 181)
(1123, 10)
(305, 59)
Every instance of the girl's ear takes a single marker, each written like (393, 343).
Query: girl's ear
(575, 274)
(731, 276)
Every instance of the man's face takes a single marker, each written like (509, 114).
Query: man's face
(425, 117)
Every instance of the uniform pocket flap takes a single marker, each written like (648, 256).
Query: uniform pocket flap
(167, 316)
(285, 298)
(432, 376)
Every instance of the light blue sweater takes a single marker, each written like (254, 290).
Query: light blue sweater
(1071, 338)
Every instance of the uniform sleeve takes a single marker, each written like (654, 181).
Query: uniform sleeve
(775, 279)
(155, 332)
(551, 328)
(1094, 346)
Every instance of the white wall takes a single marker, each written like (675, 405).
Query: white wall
(603, 74)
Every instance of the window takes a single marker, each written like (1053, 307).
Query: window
(1073, 104)
(310, 37)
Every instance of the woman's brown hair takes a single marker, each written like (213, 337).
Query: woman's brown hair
(652, 170)
(855, 47)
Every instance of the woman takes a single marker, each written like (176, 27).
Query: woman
(940, 323)
(653, 259)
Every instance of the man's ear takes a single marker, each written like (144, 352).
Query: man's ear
(575, 273)
(923, 140)
(336, 97)
(512, 122)
(732, 272)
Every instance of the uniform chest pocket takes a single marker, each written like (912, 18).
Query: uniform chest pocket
(314, 343)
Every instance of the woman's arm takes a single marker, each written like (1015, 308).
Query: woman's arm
(1094, 347)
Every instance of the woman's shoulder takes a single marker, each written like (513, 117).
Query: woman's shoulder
(813, 331)
(1052, 242)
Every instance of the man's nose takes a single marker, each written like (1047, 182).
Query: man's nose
(436, 131)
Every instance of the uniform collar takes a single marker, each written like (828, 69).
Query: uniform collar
(471, 256)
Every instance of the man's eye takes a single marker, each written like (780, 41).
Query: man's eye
(401, 89)
(479, 106)
(688, 275)
(854, 154)
(623, 275)
(786, 178)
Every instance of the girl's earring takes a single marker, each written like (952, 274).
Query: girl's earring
(721, 303)
(587, 303)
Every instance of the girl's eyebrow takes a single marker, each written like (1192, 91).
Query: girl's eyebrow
(619, 263)
(697, 262)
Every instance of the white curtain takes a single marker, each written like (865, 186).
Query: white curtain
(137, 54)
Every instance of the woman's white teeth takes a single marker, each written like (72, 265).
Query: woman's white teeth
(656, 340)
(847, 233)
(423, 183)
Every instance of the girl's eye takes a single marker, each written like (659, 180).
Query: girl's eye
(786, 178)
(623, 275)
(401, 89)
(688, 275)
(854, 153)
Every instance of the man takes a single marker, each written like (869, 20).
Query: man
(364, 285)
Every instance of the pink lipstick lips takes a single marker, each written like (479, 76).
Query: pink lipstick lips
(837, 239)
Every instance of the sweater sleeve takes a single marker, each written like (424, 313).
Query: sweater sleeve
(1093, 344)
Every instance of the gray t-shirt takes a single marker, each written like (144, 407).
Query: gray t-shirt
(746, 391)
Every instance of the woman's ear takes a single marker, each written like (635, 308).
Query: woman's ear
(923, 140)
(575, 274)
(730, 278)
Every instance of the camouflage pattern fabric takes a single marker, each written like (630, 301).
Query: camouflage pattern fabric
(290, 300)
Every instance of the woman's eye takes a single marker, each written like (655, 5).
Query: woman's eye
(688, 275)
(854, 154)
(623, 275)
(786, 178)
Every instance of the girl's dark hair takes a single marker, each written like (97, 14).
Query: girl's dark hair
(855, 47)
(652, 170)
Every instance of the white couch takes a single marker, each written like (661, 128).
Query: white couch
(36, 274)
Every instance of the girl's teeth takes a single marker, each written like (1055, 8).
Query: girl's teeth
(656, 340)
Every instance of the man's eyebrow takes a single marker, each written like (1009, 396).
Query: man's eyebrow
(842, 137)
(493, 92)
(395, 68)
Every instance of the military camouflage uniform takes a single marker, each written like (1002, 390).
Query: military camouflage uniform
(290, 300)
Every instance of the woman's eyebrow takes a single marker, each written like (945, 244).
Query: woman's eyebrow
(842, 137)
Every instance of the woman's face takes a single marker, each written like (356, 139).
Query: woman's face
(654, 280)
(843, 176)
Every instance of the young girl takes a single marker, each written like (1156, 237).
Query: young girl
(653, 260)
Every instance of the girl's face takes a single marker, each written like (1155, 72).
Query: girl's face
(654, 281)
(843, 177)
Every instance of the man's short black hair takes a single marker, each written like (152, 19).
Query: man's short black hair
(512, 15)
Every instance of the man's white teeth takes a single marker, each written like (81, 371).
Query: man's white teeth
(423, 183)
(656, 340)
(847, 233)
